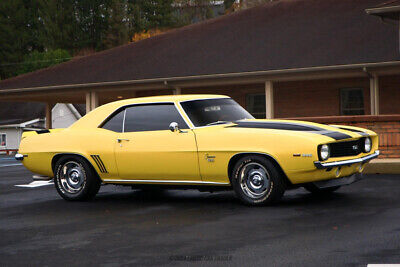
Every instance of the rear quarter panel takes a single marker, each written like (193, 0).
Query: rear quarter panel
(42, 148)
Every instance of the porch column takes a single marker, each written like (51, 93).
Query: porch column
(92, 101)
(269, 100)
(49, 119)
(177, 91)
(374, 94)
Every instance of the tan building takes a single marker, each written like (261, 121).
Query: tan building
(331, 61)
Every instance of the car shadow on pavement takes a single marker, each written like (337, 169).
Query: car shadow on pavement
(296, 197)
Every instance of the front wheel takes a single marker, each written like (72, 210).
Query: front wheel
(257, 181)
(75, 179)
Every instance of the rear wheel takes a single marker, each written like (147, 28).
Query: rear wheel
(75, 179)
(320, 191)
(257, 181)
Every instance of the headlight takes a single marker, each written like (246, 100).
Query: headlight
(367, 145)
(324, 152)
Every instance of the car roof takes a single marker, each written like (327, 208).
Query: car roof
(95, 117)
(167, 98)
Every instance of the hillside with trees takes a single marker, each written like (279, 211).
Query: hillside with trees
(36, 34)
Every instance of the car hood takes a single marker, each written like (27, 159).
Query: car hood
(336, 132)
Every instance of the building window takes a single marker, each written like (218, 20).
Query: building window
(3, 140)
(255, 104)
(352, 101)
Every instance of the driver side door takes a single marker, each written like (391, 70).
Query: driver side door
(146, 150)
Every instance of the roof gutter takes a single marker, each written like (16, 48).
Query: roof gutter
(267, 75)
(383, 11)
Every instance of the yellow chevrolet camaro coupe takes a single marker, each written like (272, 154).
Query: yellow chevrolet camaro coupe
(207, 142)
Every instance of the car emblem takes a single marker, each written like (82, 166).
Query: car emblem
(355, 147)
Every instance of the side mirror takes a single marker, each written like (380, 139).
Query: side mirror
(174, 127)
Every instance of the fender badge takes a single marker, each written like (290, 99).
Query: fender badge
(302, 155)
(209, 158)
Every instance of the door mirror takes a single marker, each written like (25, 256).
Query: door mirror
(174, 127)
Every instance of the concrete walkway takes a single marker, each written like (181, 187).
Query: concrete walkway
(384, 166)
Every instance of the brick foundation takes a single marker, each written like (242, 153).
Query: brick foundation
(386, 126)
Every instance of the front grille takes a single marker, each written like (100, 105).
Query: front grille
(348, 148)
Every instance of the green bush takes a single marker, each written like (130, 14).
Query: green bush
(39, 60)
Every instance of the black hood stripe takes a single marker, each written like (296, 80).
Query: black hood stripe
(352, 130)
(291, 127)
(336, 135)
(277, 126)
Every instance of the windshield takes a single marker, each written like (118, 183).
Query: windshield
(214, 111)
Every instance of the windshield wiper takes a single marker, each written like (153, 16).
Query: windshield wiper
(217, 122)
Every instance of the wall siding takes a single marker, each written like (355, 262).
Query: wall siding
(389, 94)
(13, 137)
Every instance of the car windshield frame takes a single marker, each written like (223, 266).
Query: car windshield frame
(240, 112)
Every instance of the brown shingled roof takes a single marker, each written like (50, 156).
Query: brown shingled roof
(278, 35)
(16, 113)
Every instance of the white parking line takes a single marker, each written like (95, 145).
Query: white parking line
(9, 165)
(36, 184)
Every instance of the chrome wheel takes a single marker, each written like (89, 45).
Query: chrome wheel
(72, 177)
(254, 180)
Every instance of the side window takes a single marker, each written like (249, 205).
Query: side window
(152, 118)
(3, 141)
(352, 101)
(115, 122)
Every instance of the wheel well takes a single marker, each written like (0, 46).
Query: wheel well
(58, 156)
(237, 157)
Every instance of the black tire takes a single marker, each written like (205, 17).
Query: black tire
(75, 179)
(320, 191)
(258, 190)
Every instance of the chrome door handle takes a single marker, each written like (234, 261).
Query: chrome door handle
(119, 140)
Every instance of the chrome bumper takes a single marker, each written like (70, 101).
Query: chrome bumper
(20, 156)
(321, 165)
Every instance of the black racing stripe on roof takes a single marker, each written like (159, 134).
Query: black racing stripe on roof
(291, 127)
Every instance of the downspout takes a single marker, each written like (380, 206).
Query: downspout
(74, 111)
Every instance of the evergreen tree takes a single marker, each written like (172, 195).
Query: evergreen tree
(19, 34)
(117, 32)
(60, 27)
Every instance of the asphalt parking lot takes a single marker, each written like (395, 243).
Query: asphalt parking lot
(359, 224)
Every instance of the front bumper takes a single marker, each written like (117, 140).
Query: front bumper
(20, 156)
(339, 181)
(322, 165)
